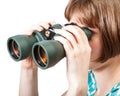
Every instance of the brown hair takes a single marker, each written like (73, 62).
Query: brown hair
(103, 14)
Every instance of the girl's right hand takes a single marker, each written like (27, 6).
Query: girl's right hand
(28, 62)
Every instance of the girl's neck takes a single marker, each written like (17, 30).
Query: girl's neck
(107, 75)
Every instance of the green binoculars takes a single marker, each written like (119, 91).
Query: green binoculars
(46, 51)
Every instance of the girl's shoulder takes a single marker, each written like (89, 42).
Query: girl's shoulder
(92, 86)
(115, 91)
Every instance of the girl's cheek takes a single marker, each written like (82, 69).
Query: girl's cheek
(96, 47)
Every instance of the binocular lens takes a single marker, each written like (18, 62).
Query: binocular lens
(40, 56)
(13, 48)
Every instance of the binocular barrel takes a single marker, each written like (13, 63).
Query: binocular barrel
(45, 51)
(20, 46)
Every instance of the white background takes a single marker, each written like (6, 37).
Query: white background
(18, 17)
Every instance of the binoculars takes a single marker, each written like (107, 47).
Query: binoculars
(46, 51)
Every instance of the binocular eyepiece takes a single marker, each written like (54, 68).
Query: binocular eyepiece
(46, 51)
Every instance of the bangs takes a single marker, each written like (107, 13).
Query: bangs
(87, 13)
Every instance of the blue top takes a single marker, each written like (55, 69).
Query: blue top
(92, 86)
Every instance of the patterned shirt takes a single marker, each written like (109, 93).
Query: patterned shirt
(92, 86)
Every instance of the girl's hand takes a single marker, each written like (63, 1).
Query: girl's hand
(29, 75)
(78, 53)
(28, 62)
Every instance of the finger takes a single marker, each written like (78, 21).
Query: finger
(51, 23)
(66, 44)
(46, 25)
(67, 35)
(41, 26)
(78, 33)
(38, 27)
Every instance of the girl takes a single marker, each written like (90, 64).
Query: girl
(93, 67)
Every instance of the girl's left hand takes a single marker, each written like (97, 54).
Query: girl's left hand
(78, 54)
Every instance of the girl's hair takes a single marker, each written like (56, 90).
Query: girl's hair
(101, 14)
